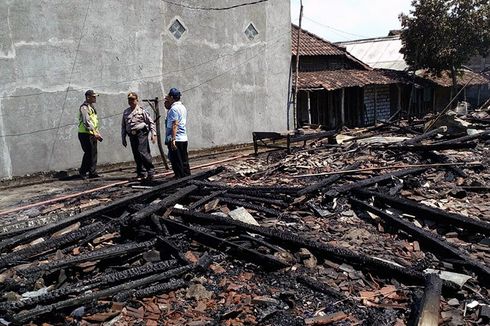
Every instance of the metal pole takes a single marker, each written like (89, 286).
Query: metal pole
(295, 109)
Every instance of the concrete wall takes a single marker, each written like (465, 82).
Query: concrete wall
(51, 51)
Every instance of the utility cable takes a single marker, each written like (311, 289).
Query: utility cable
(214, 8)
(277, 40)
(220, 56)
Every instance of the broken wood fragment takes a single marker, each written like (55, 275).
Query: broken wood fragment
(431, 241)
(428, 314)
(427, 212)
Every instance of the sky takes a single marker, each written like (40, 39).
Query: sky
(343, 20)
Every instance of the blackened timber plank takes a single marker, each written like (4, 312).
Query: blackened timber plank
(419, 138)
(371, 181)
(257, 199)
(205, 199)
(162, 204)
(436, 245)
(427, 212)
(239, 203)
(364, 262)
(428, 147)
(482, 135)
(49, 245)
(95, 255)
(98, 211)
(28, 315)
(326, 182)
(428, 311)
(88, 284)
(228, 247)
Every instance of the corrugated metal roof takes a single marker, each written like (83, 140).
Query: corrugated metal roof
(379, 53)
(336, 79)
(445, 80)
(311, 44)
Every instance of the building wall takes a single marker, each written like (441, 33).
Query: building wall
(52, 51)
(377, 103)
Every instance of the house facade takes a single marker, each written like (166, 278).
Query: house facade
(336, 89)
(230, 62)
(428, 93)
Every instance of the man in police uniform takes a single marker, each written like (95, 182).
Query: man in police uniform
(138, 124)
(88, 134)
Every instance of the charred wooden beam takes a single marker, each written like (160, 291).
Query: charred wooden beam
(246, 190)
(161, 205)
(164, 243)
(205, 199)
(227, 247)
(371, 181)
(326, 182)
(150, 291)
(428, 147)
(29, 315)
(98, 211)
(476, 188)
(482, 135)
(428, 312)
(436, 245)
(275, 202)
(419, 138)
(439, 158)
(364, 262)
(49, 245)
(95, 255)
(320, 287)
(427, 212)
(85, 285)
(258, 208)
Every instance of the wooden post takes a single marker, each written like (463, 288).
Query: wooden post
(309, 107)
(156, 110)
(375, 104)
(342, 108)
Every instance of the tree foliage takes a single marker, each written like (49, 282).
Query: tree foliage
(441, 35)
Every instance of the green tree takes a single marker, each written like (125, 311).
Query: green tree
(442, 35)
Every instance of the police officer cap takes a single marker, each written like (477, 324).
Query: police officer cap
(91, 92)
(174, 92)
(132, 95)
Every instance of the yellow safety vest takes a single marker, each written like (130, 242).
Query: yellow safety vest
(93, 118)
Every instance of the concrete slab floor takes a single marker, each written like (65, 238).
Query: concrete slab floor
(51, 188)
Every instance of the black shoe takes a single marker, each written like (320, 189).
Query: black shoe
(82, 176)
(141, 176)
(93, 176)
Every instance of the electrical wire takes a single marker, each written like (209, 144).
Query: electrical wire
(333, 28)
(214, 8)
(220, 56)
(265, 45)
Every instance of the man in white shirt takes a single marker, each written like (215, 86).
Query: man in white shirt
(176, 134)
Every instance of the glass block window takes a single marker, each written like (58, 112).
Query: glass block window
(251, 32)
(177, 29)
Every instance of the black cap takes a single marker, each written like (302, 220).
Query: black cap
(91, 92)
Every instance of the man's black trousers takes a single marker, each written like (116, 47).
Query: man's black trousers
(89, 147)
(179, 159)
(141, 153)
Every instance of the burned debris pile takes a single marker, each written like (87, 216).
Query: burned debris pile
(386, 226)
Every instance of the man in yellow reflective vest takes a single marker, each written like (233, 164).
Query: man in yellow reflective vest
(88, 134)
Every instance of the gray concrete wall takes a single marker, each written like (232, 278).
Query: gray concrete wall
(51, 51)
